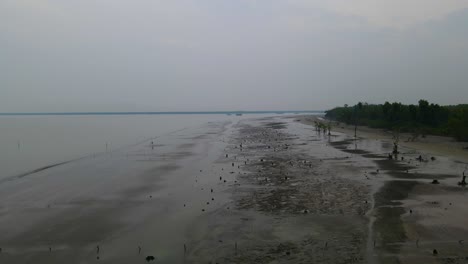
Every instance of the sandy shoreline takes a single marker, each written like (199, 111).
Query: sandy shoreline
(438, 145)
(424, 216)
(265, 190)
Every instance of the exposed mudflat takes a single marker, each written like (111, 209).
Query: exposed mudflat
(288, 204)
(268, 190)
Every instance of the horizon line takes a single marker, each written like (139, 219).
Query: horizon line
(160, 112)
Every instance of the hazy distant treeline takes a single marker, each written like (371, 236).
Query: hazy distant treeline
(424, 118)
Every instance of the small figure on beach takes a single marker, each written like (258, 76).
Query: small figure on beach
(395, 148)
(435, 182)
(463, 181)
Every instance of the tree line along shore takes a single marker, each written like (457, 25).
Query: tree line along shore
(422, 119)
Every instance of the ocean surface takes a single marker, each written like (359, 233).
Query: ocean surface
(33, 141)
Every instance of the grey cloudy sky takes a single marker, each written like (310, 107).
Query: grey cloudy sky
(183, 55)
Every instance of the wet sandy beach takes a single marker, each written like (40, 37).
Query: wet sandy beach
(265, 190)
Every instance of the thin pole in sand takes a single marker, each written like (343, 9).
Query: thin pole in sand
(139, 250)
(19, 144)
(185, 249)
(106, 146)
(235, 247)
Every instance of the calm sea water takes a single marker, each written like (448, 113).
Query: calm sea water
(31, 142)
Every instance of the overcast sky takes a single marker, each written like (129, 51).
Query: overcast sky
(194, 55)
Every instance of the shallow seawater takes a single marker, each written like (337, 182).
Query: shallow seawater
(31, 142)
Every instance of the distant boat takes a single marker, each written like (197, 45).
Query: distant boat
(238, 114)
